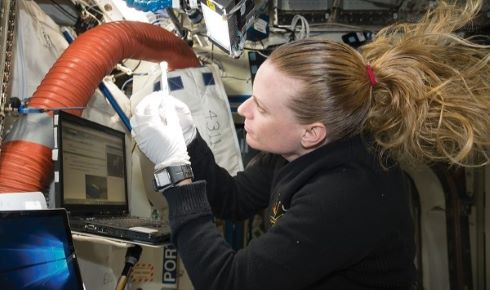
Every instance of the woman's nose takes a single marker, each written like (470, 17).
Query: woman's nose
(244, 108)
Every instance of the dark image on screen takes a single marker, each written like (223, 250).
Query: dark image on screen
(115, 165)
(36, 254)
(96, 187)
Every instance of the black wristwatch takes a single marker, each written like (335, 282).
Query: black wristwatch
(169, 176)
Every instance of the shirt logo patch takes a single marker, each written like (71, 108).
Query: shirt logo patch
(277, 211)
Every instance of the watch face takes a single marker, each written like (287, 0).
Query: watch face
(162, 178)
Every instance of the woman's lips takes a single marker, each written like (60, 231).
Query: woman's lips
(246, 128)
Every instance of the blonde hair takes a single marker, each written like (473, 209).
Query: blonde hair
(431, 101)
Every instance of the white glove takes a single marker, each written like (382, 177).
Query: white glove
(185, 119)
(183, 112)
(159, 138)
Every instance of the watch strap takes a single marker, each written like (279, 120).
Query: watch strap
(170, 176)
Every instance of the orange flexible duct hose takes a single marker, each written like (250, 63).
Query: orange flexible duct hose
(26, 165)
(94, 54)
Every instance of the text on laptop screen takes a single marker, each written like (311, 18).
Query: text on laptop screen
(37, 251)
(93, 169)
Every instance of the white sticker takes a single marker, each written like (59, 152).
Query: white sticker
(143, 230)
(193, 3)
(33, 205)
(169, 274)
(361, 36)
(55, 135)
(243, 9)
(260, 25)
(54, 154)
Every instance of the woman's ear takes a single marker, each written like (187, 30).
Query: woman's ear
(314, 135)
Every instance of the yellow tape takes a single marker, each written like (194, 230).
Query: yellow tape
(210, 4)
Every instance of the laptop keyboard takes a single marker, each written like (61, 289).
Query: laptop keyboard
(126, 228)
(129, 222)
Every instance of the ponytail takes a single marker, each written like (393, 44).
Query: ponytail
(432, 99)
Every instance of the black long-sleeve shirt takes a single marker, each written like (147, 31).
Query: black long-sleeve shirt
(337, 221)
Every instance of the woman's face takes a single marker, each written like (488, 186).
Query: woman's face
(269, 123)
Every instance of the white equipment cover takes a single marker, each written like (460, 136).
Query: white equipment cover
(22, 201)
(39, 44)
(211, 112)
(202, 90)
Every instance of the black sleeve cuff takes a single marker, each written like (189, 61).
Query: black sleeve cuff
(198, 149)
(187, 202)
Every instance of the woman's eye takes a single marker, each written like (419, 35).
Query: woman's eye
(257, 105)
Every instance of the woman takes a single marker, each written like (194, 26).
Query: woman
(335, 122)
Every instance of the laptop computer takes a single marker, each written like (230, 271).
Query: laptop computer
(91, 181)
(37, 251)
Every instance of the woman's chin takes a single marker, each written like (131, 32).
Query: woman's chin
(251, 142)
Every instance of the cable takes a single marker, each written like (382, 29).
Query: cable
(17, 105)
(127, 69)
(62, 9)
(85, 14)
(305, 27)
(178, 27)
(258, 51)
(236, 7)
(132, 256)
(385, 5)
(126, 83)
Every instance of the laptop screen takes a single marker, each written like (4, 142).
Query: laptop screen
(37, 251)
(91, 166)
